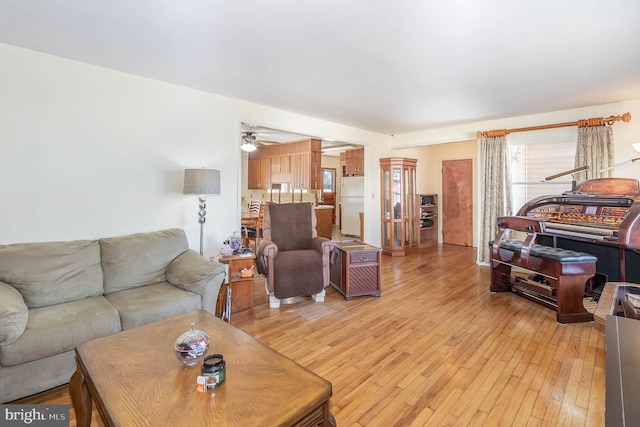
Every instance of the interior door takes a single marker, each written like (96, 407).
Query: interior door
(457, 202)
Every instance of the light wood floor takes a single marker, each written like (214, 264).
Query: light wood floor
(436, 349)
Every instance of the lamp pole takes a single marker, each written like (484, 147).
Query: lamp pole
(201, 182)
(201, 218)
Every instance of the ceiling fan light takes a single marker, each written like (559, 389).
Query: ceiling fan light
(636, 146)
(248, 146)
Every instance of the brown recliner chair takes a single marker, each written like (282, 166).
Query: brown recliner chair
(291, 255)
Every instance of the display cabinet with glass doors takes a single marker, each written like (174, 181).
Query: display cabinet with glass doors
(400, 220)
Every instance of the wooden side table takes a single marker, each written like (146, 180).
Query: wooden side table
(240, 289)
(355, 269)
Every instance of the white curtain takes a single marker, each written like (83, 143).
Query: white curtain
(495, 191)
(594, 149)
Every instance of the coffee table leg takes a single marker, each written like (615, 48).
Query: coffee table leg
(80, 397)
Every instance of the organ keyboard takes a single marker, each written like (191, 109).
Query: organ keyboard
(583, 231)
(601, 217)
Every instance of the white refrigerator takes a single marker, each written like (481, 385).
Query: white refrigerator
(352, 199)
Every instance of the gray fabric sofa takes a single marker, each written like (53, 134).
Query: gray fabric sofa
(56, 295)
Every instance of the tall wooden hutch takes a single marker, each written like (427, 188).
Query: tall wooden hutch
(400, 220)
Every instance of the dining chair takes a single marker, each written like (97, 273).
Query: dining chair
(252, 235)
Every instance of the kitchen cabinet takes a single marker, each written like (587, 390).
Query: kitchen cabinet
(297, 163)
(355, 162)
(300, 171)
(306, 170)
(281, 169)
(400, 221)
(259, 177)
(352, 162)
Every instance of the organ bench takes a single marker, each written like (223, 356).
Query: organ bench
(554, 277)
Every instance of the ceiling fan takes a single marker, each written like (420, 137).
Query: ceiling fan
(254, 136)
(248, 142)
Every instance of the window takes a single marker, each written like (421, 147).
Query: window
(532, 162)
(328, 180)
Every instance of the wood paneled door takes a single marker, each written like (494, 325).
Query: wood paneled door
(457, 202)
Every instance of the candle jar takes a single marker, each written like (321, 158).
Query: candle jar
(214, 369)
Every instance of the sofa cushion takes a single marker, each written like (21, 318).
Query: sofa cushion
(59, 328)
(13, 314)
(147, 304)
(291, 225)
(140, 259)
(52, 272)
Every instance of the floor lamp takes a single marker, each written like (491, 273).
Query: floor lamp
(201, 182)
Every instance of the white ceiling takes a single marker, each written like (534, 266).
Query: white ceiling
(387, 66)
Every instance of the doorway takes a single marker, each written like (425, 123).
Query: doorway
(457, 202)
(328, 195)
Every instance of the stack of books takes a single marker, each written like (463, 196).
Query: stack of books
(631, 303)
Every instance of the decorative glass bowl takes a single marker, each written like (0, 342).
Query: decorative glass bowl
(191, 346)
(226, 250)
(234, 241)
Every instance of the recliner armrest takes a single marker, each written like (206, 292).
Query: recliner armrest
(322, 244)
(325, 246)
(267, 248)
(194, 273)
(267, 251)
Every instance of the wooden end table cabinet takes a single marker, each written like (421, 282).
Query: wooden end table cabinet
(355, 269)
(241, 287)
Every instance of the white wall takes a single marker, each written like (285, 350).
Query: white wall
(87, 152)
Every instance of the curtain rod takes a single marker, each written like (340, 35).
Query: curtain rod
(598, 121)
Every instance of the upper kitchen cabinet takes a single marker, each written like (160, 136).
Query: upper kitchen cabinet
(300, 167)
(296, 163)
(306, 168)
(352, 162)
(281, 169)
(259, 175)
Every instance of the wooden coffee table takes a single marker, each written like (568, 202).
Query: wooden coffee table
(134, 379)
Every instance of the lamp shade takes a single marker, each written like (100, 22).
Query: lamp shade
(201, 181)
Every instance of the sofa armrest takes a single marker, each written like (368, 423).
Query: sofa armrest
(325, 246)
(14, 314)
(194, 273)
